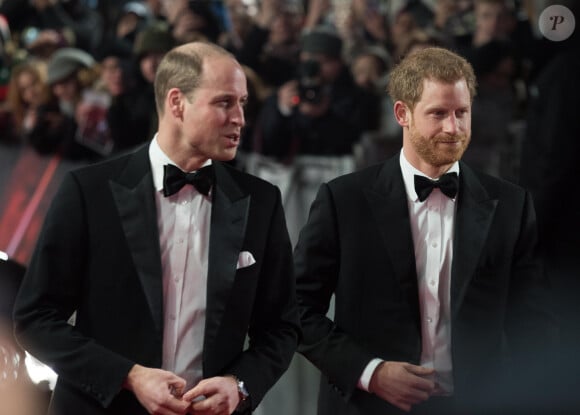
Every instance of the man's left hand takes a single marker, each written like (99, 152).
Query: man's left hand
(214, 396)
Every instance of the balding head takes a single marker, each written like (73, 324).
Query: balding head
(182, 68)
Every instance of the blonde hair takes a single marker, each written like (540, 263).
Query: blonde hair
(14, 101)
(435, 63)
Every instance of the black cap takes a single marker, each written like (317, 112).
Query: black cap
(322, 41)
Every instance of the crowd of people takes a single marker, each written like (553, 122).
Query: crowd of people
(78, 75)
(308, 83)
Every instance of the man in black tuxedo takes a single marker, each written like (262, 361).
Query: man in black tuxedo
(166, 281)
(438, 291)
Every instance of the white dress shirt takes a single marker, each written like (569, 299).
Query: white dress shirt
(183, 220)
(432, 228)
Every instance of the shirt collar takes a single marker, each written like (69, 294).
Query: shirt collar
(409, 173)
(158, 160)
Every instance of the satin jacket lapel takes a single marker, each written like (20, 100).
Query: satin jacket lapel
(134, 196)
(229, 216)
(475, 211)
(388, 201)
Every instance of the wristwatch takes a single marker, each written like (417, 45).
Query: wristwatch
(245, 403)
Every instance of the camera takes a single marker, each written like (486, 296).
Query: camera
(310, 86)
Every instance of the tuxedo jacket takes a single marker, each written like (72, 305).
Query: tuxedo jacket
(357, 245)
(98, 254)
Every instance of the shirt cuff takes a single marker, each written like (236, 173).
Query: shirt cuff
(367, 374)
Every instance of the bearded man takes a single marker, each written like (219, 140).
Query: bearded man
(438, 291)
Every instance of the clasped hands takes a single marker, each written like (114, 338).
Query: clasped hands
(403, 384)
(163, 393)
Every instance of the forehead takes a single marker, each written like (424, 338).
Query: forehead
(223, 73)
(444, 94)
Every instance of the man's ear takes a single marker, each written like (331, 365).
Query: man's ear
(175, 103)
(402, 113)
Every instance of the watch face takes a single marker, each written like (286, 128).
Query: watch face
(242, 390)
(245, 403)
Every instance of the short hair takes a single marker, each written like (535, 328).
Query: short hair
(434, 63)
(182, 68)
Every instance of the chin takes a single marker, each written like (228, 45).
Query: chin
(226, 156)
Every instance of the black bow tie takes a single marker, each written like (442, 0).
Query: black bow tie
(174, 179)
(448, 184)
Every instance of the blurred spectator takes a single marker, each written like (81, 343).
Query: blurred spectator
(497, 20)
(258, 92)
(93, 127)
(362, 24)
(131, 18)
(370, 68)
(70, 71)
(114, 70)
(494, 147)
(453, 18)
(27, 92)
(418, 39)
(322, 111)
(309, 127)
(318, 13)
(155, 9)
(272, 45)
(492, 22)
(195, 22)
(172, 9)
(42, 43)
(240, 26)
(132, 117)
(402, 28)
(421, 12)
(49, 24)
(6, 45)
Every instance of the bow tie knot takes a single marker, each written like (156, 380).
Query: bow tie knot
(448, 184)
(174, 179)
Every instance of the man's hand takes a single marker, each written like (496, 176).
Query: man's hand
(288, 97)
(402, 384)
(157, 390)
(214, 396)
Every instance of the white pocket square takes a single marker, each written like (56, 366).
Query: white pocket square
(245, 260)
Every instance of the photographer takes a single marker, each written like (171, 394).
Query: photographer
(322, 111)
(306, 131)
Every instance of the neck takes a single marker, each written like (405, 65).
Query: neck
(183, 157)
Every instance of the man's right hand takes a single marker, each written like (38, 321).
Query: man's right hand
(288, 97)
(159, 391)
(402, 384)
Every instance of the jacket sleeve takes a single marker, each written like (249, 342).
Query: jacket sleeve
(317, 262)
(49, 295)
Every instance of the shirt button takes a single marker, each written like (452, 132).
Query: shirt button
(429, 320)
(172, 317)
(432, 282)
(434, 244)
